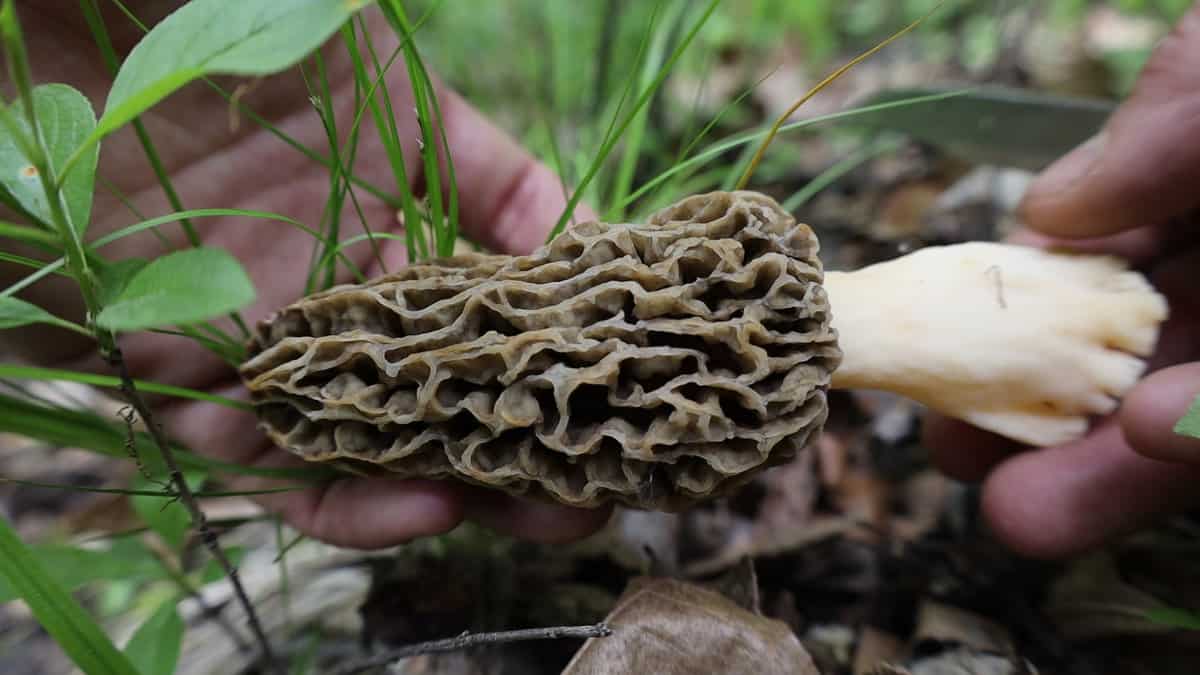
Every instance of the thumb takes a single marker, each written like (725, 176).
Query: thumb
(1144, 167)
(1150, 411)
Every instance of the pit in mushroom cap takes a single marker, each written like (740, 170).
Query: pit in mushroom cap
(661, 364)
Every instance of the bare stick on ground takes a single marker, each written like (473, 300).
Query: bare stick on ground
(468, 640)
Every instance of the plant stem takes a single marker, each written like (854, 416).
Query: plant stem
(208, 611)
(77, 261)
(189, 501)
(641, 101)
(95, 22)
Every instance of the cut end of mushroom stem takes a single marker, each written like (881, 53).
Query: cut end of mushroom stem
(1019, 341)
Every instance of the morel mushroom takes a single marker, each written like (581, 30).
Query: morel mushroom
(660, 364)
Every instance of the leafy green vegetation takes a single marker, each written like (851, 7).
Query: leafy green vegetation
(74, 630)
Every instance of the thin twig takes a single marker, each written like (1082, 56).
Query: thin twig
(468, 640)
(188, 499)
(129, 416)
(207, 611)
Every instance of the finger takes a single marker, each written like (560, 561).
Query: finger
(533, 520)
(1151, 411)
(378, 512)
(1066, 500)
(510, 201)
(370, 513)
(1144, 166)
(328, 511)
(219, 431)
(961, 451)
(354, 512)
(1139, 246)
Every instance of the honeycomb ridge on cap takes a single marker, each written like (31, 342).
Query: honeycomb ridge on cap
(653, 365)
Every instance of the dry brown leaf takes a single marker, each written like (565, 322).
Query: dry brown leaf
(1093, 601)
(966, 661)
(925, 496)
(756, 544)
(863, 496)
(740, 585)
(942, 623)
(791, 497)
(832, 459)
(670, 627)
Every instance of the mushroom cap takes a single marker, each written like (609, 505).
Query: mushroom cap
(653, 365)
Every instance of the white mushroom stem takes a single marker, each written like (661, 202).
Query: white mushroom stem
(1016, 340)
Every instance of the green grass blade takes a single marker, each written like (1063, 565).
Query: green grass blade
(15, 372)
(1172, 617)
(72, 567)
(46, 270)
(428, 118)
(642, 100)
(57, 612)
(22, 261)
(265, 124)
(95, 22)
(636, 134)
(719, 148)
(614, 119)
(839, 169)
(212, 213)
(88, 431)
(389, 135)
(155, 494)
(197, 213)
(153, 223)
(372, 237)
(30, 235)
(674, 186)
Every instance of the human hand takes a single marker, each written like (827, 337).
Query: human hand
(509, 202)
(1132, 192)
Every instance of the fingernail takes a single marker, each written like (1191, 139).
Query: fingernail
(1073, 167)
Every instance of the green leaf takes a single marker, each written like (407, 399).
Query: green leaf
(114, 277)
(56, 611)
(66, 120)
(207, 37)
(73, 567)
(180, 288)
(1175, 618)
(1190, 424)
(994, 125)
(156, 645)
(170, 519)
(15, 312)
